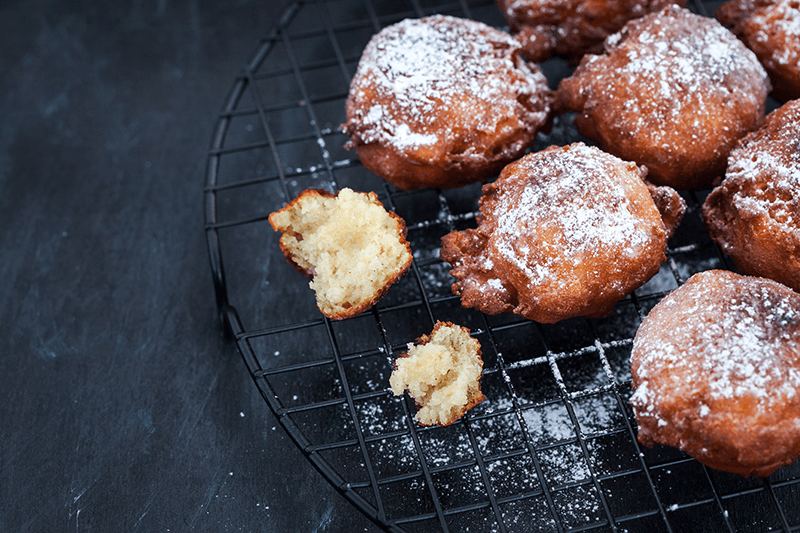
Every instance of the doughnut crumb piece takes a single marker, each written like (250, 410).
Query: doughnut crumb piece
(351, 246)
(442, 373)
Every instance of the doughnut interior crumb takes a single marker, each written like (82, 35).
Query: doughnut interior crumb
(442, 373)
(351, 246)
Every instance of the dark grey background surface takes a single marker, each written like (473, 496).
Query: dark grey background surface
(123, 407)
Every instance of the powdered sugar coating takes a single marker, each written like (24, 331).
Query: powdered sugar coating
(716, 360)
(741, 353)
(442, 90)
(772, 153)
(782, 18)
(755, 213)
(780, 203)
(562, 203)
(771, 28)
(673, 91)
(571, 27)
(564, 232)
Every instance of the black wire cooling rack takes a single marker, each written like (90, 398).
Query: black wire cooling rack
(553, 447)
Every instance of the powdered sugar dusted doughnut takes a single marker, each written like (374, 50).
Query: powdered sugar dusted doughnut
(442, 101)
(673, 91)
(771, 28)
(754, 215)
(564, 232)
(571, 27)
(716, 373)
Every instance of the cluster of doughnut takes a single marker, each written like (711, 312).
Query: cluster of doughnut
(673, 100)
(571, 28)
(771, 28)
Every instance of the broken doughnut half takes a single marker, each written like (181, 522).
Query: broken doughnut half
(353, 248)
(442, 373)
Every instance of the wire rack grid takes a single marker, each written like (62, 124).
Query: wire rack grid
(553, 447)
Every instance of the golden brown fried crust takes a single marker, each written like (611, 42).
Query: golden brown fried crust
(716, 373)
(754, 215)
(669, 204)
(356, 309)
(571, 27)
(770, 29)
(564, 232)
(672, 91)
(474, 400)
(442, 101)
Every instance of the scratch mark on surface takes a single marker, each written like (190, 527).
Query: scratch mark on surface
(144, 512)
(325, 521)
(55, 104)
(81, 493)
(194, 418)
(49, 354)
(213, 489)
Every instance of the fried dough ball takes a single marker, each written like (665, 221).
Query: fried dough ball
(673, 91)
(754, 215)
(571, 27)
(564, 232)
(771, 29)
(442, 101)
(716, 373)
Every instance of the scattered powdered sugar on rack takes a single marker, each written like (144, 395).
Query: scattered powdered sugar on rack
(418, 70)
(446, 446)
(436, 279)
(577, 200)
(733, 341)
